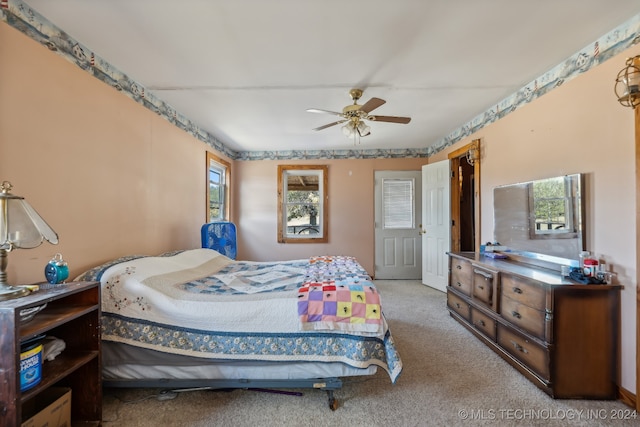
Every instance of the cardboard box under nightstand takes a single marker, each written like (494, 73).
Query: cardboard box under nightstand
(51, 408)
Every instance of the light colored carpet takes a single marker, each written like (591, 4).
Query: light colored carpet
(449, 379)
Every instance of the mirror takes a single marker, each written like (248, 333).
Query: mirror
(541, 218)
(302, 203)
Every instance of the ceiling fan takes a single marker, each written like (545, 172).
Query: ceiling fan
(355, 114)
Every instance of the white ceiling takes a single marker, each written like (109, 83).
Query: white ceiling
(246, 70)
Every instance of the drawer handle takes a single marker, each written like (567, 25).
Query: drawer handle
(487, 276)
(516, 315)
(459, 267)
(519, 347)
(481, 323)
(481, 287)
(458, 305)
(459, 284)
(517, 290)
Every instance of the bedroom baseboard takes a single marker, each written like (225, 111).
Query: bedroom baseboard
(626, 397)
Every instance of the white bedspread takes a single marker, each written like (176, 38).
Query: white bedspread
(150, 288)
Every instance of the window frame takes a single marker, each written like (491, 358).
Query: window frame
(323, 178)
(221, 165)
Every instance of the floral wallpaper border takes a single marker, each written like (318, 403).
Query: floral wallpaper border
(22, 17)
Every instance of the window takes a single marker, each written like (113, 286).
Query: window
(398, 203)
(218, 172)
(302, 204)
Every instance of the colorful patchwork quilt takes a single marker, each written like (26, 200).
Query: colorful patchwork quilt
(345, 305)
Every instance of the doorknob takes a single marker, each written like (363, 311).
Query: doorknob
(421, 230)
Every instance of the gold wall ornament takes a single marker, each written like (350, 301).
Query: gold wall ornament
(627, 87)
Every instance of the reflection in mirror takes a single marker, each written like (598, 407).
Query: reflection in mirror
(302, 203)
(553, 207)
(541, 217)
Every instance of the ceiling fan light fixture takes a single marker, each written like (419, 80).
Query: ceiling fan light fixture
(348, 129)
(363, 129)
(355, 115)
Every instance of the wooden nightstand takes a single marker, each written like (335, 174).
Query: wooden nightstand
(72, 314)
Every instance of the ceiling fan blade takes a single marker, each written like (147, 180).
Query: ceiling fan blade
(390, 119)
(372, 104)
(330, 124)
(316, 110)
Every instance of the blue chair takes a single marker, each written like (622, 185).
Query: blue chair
(220, 236)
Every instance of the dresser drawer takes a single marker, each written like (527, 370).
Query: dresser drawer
(524, 316)
(483, 323)
(523, 291)
(526, 351)
(484, 286)
(458, 305)
(460, 275)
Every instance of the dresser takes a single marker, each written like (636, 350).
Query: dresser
(561, 335)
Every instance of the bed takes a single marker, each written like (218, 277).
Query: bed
(198, 319)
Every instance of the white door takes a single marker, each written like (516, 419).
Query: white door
(436, 223)
(398, 246)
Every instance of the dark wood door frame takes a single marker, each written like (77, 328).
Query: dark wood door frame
(637, 144)
(455, 157)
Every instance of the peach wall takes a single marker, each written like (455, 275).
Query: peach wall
(577, 128)
(111, 177)
(351, 212)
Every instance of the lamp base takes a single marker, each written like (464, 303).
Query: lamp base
(10, 292)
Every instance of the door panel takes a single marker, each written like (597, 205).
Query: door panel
(436, 219)
(398, 249)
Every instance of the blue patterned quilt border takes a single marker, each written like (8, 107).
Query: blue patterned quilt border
(357, 351)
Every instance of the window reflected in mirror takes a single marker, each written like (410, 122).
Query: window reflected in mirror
(302, 204)
(552, 205)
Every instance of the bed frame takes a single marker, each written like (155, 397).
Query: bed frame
(181, 385)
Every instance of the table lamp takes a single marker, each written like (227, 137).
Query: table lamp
(20, 228)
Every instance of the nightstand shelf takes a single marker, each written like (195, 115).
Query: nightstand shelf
(51, 318)
(58, 369)
(72, 314)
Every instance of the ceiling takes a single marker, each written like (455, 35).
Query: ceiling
(246, 71)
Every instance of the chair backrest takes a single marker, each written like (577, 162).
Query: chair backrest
(220, 236)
